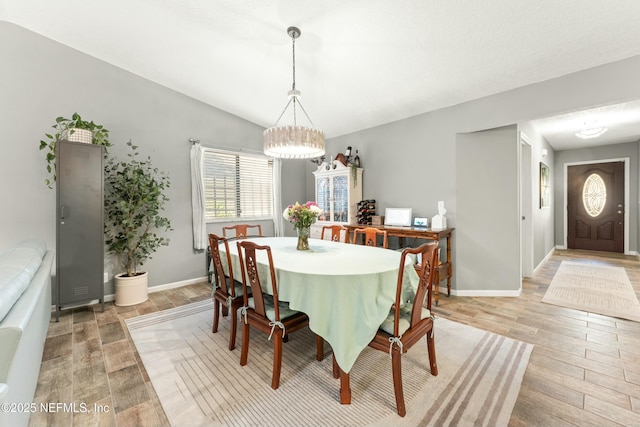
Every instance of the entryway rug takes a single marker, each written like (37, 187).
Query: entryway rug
(594, 288)
(200, 382)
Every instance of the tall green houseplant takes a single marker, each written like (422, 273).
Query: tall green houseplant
(134, 201)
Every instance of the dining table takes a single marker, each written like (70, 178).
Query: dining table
(346, 290)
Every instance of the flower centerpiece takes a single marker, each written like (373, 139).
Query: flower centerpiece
(302, 216)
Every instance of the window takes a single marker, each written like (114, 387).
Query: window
(237, 186)
(594, 195)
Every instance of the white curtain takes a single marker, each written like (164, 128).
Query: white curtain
(278, 220)
(197, 199)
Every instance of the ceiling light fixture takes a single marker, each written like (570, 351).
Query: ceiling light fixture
(591, 131)
(293, 142)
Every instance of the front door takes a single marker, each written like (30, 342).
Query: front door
(595, 207)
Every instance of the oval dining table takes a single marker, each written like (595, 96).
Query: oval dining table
(346, 290)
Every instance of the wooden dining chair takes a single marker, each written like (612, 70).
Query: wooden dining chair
(336, 231)
(408, 322)
(242, 231)
(266, 312)
(228, 293)
(370, 236)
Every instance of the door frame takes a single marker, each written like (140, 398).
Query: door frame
(526, 206)
(565, 214)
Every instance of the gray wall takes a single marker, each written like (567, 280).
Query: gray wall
(41, 79)
(487, 184)
(411, 163)
(615, 151)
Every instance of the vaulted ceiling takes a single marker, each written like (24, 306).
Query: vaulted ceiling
(359, 63)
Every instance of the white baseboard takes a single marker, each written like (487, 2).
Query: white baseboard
(632, 253)
(177, 284)
(546, 257)
(151, 289)
(485, 293)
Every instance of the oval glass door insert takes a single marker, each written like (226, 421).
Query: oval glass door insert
(594, 194)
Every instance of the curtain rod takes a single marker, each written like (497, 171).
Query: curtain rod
(223, 148)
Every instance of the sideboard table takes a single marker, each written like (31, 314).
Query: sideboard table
(444, 270)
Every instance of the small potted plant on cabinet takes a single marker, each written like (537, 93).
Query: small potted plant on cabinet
(74, 129)
(134, 201)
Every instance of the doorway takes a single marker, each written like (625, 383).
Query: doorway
(596, 199)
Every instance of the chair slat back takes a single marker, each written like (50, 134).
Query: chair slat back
(248, 253)
(218, 270)
(371, 236)
(336, 231)
(242, 230)
(429, 255)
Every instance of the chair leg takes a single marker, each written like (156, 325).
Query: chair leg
(396, 364)
(234, 326)
(431, 347)
(336, 370)
(216, 315)
(277, 359)
(244, 352)
(319, 348)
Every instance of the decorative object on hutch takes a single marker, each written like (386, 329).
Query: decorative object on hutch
(302, 217)
(356, 160)
(294, 142)
(342, 159)
(337, 194)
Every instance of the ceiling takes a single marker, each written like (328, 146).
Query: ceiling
(359, 63)
(622, 122)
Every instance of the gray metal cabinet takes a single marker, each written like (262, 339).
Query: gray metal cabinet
(80, 224)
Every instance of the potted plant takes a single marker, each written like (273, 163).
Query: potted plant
(74, 129)
(134, 200)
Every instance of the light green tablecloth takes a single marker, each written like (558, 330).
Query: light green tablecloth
(346, 290)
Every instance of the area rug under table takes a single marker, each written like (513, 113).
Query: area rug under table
(594, 288)
(200, 382)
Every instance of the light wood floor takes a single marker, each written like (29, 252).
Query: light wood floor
(584, 369)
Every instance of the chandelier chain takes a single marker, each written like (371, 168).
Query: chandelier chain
(293, 87)
(293, 48)
(283, 111)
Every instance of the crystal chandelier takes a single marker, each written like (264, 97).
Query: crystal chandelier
(293, 141)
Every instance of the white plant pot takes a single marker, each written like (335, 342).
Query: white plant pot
(78, 135)
(131, 290)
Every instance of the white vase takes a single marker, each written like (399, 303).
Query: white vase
(78, 135)
(131, 290)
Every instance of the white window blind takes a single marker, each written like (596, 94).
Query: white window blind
(237, 186)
